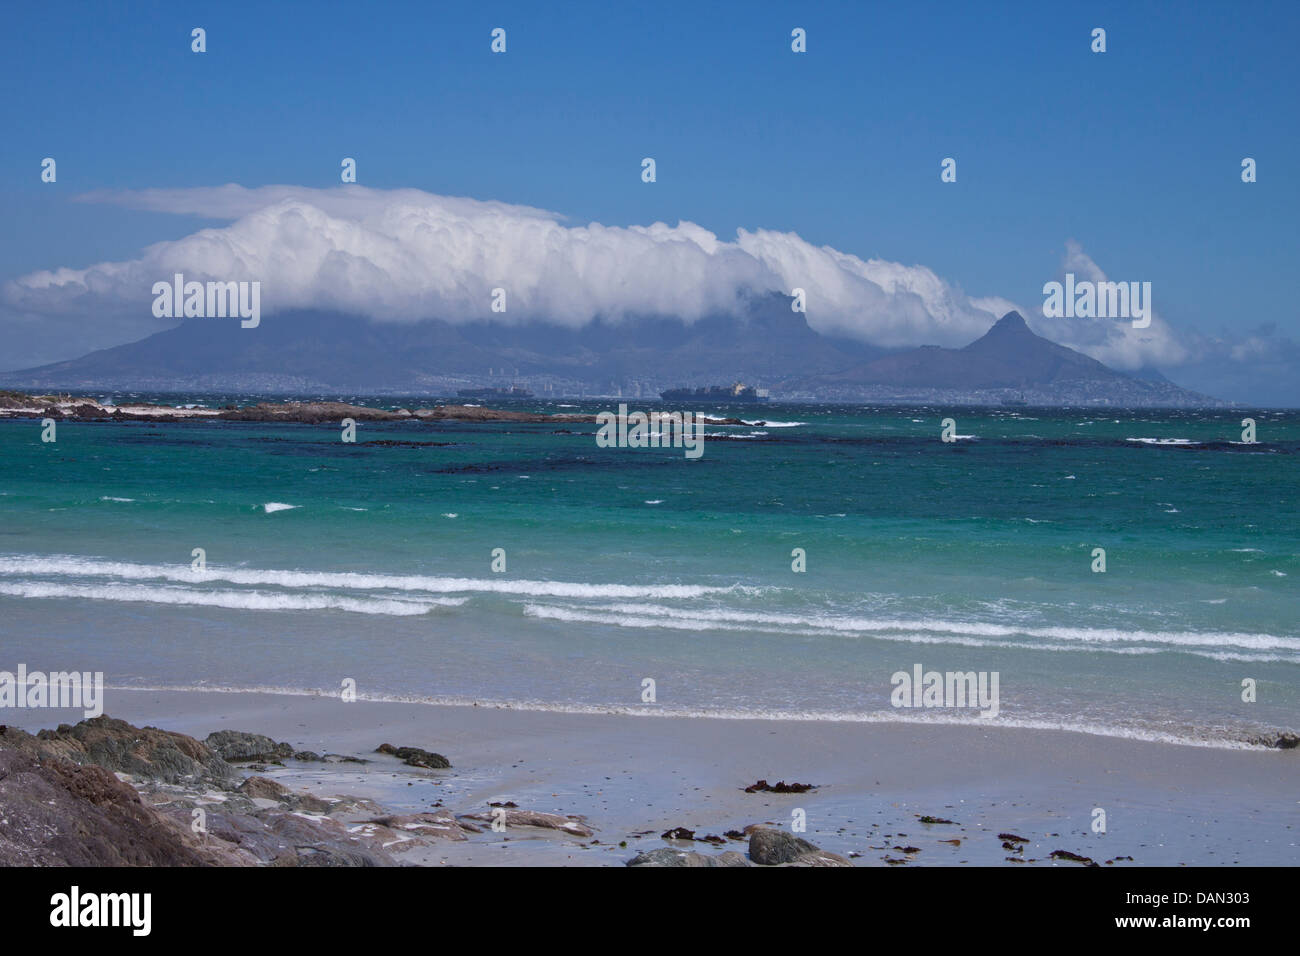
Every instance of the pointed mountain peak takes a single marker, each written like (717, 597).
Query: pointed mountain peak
(1011, 322)
(1008, 331)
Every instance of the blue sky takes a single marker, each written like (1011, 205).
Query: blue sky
(1134, 153)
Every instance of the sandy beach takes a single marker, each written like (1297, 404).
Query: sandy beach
(633, 778)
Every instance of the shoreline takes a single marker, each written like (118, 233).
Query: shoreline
(632, 780)
(19, 405)
(1275, 740)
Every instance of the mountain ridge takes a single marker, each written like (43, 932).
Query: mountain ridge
(768, 345)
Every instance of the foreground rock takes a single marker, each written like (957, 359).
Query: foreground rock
(771, 847)
(144, 752)
(107, 793)
(237, 746)
(398, 832)
(819, 858)
(263, 788)
(58, 813)
(292, 839)
(1072, 857)
(534, 818)
(767, 847)
(669, 856)
(415, 757)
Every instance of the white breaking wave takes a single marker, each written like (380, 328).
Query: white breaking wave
(618, 605)
(70, 565)
(1218, 645)
(273, 506)
(237, 600)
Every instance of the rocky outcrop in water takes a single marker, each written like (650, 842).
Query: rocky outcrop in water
(762, 786)
(61, 407)
(415, 757)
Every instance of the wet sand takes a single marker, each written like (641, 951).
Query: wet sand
(635, 777)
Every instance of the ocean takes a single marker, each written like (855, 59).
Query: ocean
(328, 562)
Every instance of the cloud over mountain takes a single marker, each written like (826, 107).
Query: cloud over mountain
(406, 255)
(1116, 343)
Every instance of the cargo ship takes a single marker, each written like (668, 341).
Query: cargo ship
(514, 391)
(739, 393)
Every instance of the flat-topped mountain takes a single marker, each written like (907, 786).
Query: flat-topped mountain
(296, 351)
(768, 346)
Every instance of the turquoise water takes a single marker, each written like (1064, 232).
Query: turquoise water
(626, 564)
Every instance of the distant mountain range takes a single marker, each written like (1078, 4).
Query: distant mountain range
(1009, 362)
(769, 346)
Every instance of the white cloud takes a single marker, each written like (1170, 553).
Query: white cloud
(403, 255)
(1112, 341)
